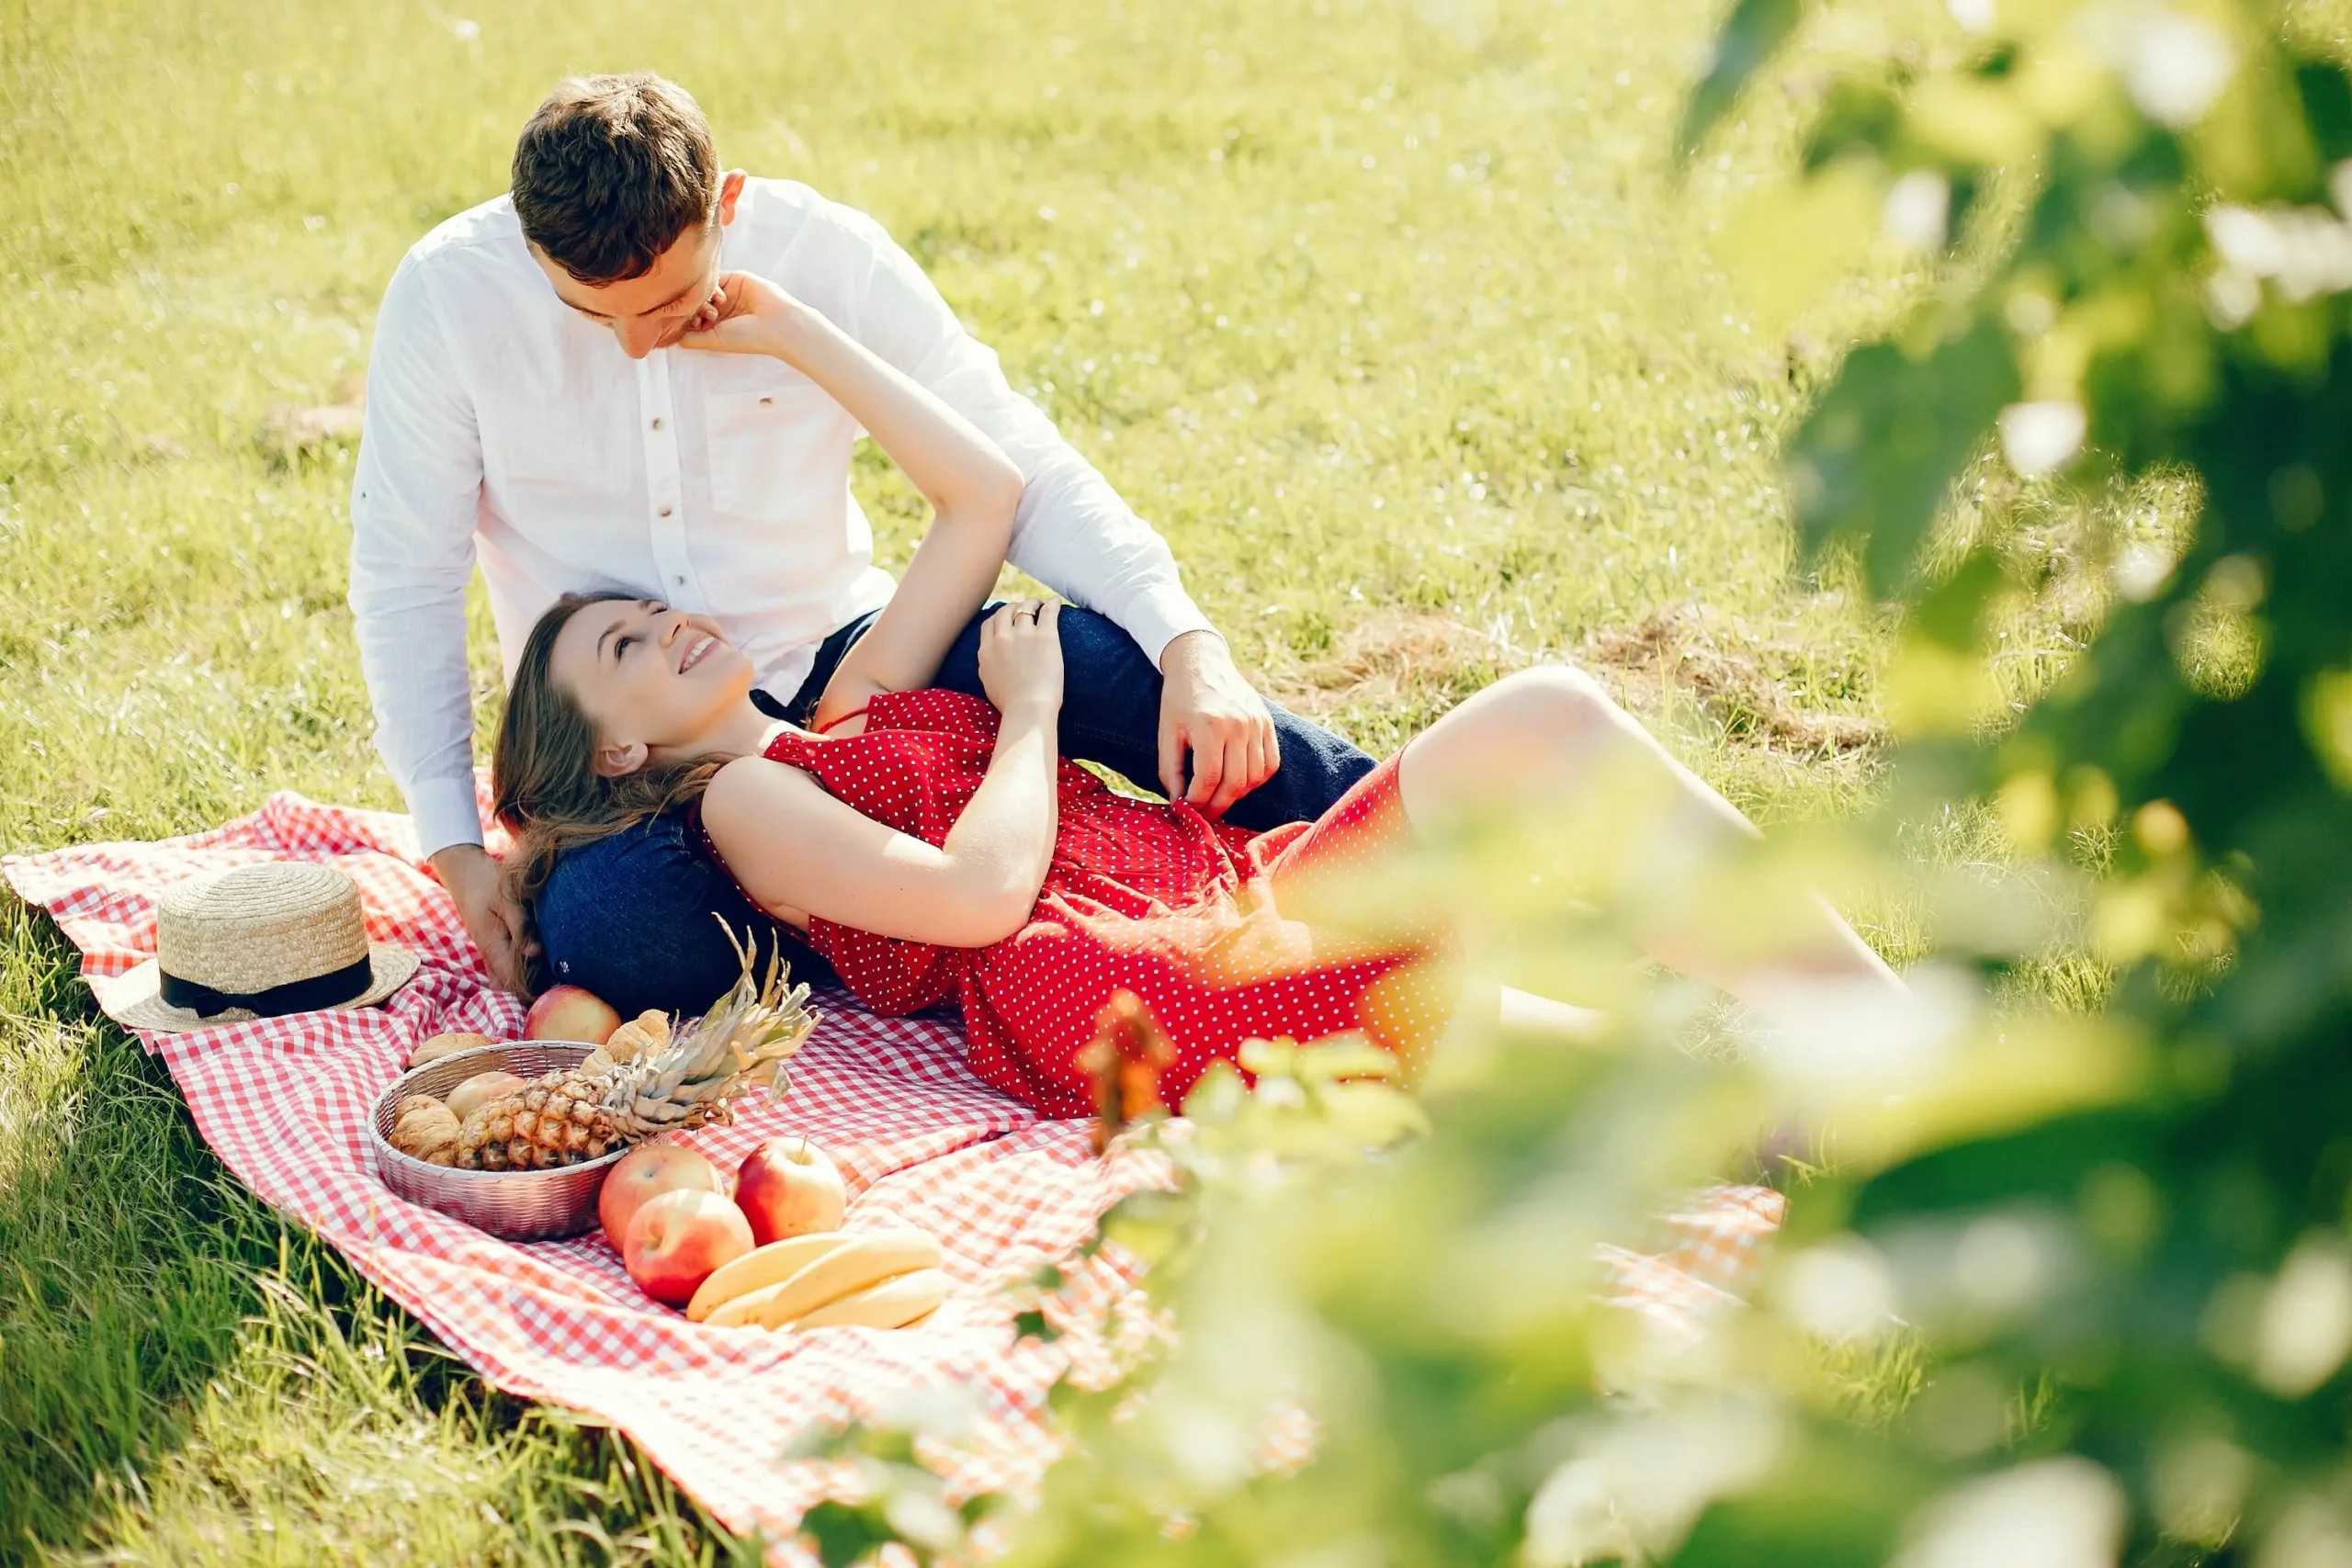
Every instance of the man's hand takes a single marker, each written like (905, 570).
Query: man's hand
(473, 879)
(1208, 710)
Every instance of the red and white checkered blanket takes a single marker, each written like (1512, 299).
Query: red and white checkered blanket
(285, 1102)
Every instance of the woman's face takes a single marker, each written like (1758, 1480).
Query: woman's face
(650, 678)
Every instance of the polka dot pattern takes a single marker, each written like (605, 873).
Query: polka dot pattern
(1152, 899)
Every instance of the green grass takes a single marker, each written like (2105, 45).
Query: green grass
(1392, 316)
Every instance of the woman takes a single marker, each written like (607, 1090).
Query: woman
(936, 848)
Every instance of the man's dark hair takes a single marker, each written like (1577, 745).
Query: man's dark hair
(611, 171)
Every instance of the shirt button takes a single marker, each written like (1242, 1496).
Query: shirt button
(665, 512)
(767, 402)
(657, 424)
(679, 580)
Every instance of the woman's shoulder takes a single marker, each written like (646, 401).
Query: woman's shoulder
(748, 790)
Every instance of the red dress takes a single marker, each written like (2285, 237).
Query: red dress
(1140, 897)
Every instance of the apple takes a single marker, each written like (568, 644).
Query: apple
(678, 1238)
(646, 1172)
(567, 1012)
(787, 1187)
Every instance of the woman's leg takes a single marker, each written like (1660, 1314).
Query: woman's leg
(1550, 738)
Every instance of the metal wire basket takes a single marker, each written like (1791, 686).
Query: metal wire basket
(516, 1205)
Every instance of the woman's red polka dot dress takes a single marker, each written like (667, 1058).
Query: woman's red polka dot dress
(1144, 897)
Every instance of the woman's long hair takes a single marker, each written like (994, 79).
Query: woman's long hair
(544, 787)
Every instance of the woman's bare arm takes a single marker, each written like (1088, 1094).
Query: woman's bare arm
(794, 847)
(974, 489)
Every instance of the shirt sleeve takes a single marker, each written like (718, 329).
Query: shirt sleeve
(413, 496)
(1072, 532)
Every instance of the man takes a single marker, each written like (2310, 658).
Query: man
(535, 403)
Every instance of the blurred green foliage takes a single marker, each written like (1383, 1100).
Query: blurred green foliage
(1375, 309)
(2114, 1241)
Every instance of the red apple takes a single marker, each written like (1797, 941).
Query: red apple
(679, 1237)
(567, 1012)
(787, 1187)
(645, 1173)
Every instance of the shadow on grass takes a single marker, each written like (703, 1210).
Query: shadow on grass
(162, 1331)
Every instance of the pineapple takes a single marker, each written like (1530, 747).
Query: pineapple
(588, 1111)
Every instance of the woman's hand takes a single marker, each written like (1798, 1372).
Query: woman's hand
(746, 314)
(1021, 657)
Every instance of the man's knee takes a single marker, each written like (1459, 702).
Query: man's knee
(1095, 649)
(1093, 641)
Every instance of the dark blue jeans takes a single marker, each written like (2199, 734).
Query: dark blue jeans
(629, 916)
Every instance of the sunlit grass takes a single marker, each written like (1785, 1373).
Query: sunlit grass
(1394, 318)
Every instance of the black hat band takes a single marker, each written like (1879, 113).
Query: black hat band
(295, 996)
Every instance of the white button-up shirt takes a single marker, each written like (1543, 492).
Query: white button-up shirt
(503, 427)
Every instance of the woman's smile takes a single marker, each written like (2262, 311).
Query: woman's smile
(695, 651)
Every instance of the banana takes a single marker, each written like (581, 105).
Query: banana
(760, 1269)
(862, 1260)
(895, 1302)
(743, 1311)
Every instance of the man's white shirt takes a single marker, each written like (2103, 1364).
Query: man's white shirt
(506, 427)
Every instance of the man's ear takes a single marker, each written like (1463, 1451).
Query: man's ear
(730, 187)
(618, 760)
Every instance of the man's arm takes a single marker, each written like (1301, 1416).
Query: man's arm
(413, 496)
(1074, 532)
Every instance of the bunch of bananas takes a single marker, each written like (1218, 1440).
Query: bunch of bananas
(872, 1278)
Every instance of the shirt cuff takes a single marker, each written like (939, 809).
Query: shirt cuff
(1158, 616)
(444, 813)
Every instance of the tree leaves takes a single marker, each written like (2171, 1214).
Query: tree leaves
(1754, 29)
(1876, 457)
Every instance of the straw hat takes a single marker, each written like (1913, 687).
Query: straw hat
(257, 942)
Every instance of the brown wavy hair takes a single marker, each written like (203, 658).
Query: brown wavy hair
(545, 787)
(611, 171)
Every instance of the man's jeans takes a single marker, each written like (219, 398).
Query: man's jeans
(629, 916)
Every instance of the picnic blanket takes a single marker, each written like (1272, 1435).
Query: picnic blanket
(285, 1103)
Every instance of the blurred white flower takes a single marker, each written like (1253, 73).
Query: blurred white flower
(2059, 1513)
(2175, 66)
(1917, 210)
(1843, 1037)
(2003, 1263)
(2140, 571)
(2305, 1329)
(2029, 312)
(2039, 437)
(1573, 1519)
(1976, 15)
(2310, 1534)
(1209, 1444)
(2247, 240)
(2232, 299)
(1840, 1290)
(467, 30)
(2197, 1487)
(1633, 1490)
(2305, 250)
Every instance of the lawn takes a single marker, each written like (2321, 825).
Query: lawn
(1394, 317)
